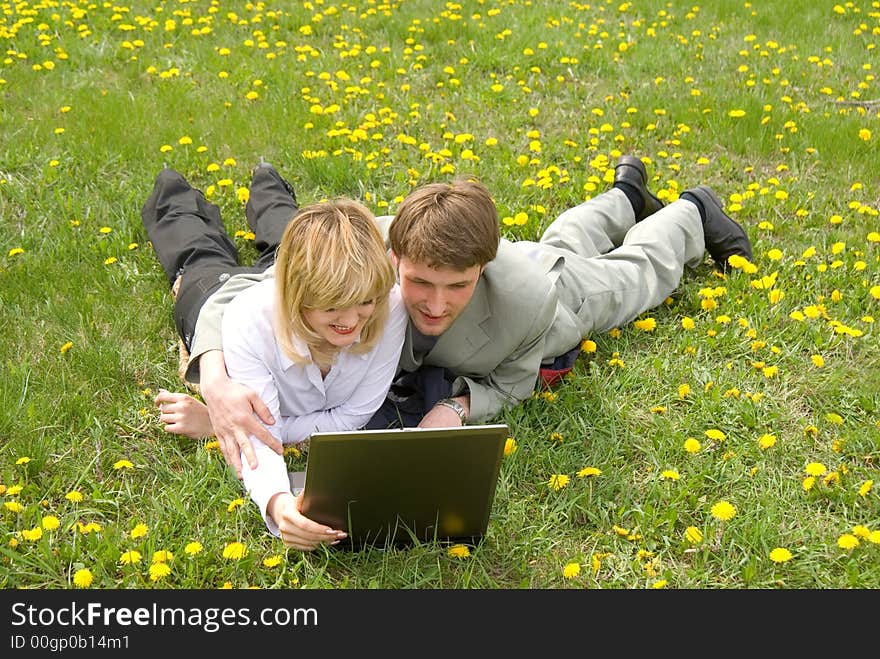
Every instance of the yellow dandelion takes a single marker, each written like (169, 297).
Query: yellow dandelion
(766, 441)
(715, 435)
(687, 323)
(590, 346)
(130, 557)
(15, 251)
(684, 390)
(861, 531)
(815, 469)
(780, 555)
(571, 570)
(646, 324)
(510, 446)
(235, 503)
(234, 551)
(818, 361)
(23, 460)
(458, 551)
(558, 481)
(865, 487)
(13, 506)
(272, 561)
(122, 464)
(162, 556)
(808, 483)
(32, 535)
(193, 548)
(723, 511)
(50, 522)
(66, 347)
(875, 292)
(74, 496)
(847, 541)
(586, 472)
(556, 437)
(693, 535)
(691, 445)
(159, 571)
(670, 474)
(83, 578)
(659, 585)
(139, 531)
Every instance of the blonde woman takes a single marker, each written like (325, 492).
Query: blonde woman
(318, 343)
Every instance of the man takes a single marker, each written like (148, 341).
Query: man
(486, 314)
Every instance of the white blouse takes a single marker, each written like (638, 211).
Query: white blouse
(300, 400)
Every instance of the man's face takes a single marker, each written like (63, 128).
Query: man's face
(434, 297)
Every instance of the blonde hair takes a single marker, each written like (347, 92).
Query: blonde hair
(331, 256)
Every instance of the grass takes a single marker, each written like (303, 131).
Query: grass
(537, 100)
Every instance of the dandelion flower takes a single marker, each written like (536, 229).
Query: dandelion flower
(32, 535)
(723, 511)
(766, 441)
(83, 578)
(715, 435)
(847, 541)
(556, 437)
(510, 446)
(670, 474)
(272, 561)
(66, 347)
(589, 471)
(459, 551)
(659, 585)
(590, 346)
(865, 487)
(780, 555)
(693, 535)
(687, 323)
(162, 556)
(193, 548)
(691, 445)
(159, 571)
(122, 464)
(50, 522)
(139, 531)
(13, 506)
(571, 570)
(861, 531)
(74, 496)
(15, 251)
(558, 481)
(815, 469)
(646, 324)
(808, 483)
(23, 460)
(235, 503)
(234, 551)
(130, 557)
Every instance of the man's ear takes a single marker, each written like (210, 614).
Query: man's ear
(394, 260)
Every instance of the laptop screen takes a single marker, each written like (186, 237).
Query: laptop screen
(401, 486)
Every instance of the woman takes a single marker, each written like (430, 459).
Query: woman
(319, 343)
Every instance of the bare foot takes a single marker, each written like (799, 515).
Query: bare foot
(183, 415)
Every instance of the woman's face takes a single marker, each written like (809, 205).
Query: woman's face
(340, 327)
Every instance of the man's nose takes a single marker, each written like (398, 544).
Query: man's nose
(436, 302)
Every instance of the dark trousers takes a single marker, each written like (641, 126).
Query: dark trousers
(190, 240)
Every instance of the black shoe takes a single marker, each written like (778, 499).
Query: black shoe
(724, 237)
(264, 167)
(630, 170)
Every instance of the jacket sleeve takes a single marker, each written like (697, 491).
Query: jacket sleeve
(513, 379)
(208, 335)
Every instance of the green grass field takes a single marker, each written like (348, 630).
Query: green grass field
(728, 439)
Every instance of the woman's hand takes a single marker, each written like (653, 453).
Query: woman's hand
(297, 530)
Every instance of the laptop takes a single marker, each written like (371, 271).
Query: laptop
(404, 486)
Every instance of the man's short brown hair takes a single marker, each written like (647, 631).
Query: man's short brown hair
(447, 224)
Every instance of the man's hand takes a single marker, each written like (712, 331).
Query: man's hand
(183, 415)
(441, 416)
(235, 413)
(297, 530)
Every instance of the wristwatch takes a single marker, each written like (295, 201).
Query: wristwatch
(456, 407)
